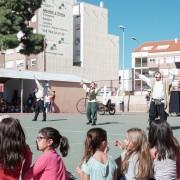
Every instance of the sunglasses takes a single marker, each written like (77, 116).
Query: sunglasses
(40, 138)
(158, 77)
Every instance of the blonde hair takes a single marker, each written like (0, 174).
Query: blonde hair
(139, 145)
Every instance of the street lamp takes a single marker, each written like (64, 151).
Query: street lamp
(123, 29)
(137, 41)
(44, 53)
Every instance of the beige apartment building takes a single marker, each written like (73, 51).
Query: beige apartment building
(95, 50)
(163, 56)
(77, 44)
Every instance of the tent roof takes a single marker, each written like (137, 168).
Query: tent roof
(6, 74)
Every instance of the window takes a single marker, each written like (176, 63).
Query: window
(77, 41)
(163, 46)
(152, 60)
(19, 63)
(146, 48)
(177, 59)
(138, 62)
(9, 64)
(77, 63)
(169, 60)
(77, 52)
(33, 62)
(34, 18)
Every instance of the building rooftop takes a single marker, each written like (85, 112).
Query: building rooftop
(159, 46)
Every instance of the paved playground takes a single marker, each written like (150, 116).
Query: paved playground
(74, 127)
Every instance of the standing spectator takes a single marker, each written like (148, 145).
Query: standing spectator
(92, 92)
(96, 164)
(148, 98)
(165, 151)
(47, 101)
(15, 155)
(135, 161)
(39, 92)
(160, 96)
(49, 166)
(52, 108)
(30, 103)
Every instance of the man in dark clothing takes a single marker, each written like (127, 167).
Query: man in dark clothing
(39, 92)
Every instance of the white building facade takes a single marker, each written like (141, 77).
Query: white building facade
(95, 51)
(163, 56)
(76, 40)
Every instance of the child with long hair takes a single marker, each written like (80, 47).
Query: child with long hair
(15, 155)
(50, 165)
(135, 161)
(96, 164)
(165, 150)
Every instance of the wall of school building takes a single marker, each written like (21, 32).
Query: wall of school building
(67, 93)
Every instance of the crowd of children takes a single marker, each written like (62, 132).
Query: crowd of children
(29, 105)
(9, 107)
(144, 157)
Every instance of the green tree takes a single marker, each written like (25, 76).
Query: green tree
(14, 18)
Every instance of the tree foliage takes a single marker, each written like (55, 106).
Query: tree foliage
(14, 17)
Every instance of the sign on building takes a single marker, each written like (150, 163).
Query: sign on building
(55, 22)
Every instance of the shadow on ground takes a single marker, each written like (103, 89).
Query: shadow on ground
(106, 123)
(56, 119)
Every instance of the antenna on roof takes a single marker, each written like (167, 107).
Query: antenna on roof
(101, 4)
(176, 40)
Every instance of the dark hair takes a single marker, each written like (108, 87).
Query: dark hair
(12, 143)
(161, 137)
(94, 139)
(158, 72)
(58, 140)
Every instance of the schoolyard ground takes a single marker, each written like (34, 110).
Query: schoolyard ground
(74, 127)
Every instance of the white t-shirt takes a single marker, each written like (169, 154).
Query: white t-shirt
(158, 90)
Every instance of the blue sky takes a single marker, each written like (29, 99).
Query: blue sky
(147, 20)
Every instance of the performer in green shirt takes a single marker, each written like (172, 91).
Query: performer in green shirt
(92, 92)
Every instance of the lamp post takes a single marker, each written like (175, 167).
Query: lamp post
(44, 53)
(123, 29)
(137, 41)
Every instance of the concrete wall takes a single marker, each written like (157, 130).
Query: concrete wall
(100, 49)
(131, 103)
(67, 93)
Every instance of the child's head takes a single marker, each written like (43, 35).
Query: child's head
(137, 145)
(136, 139)
(96, 139)
(161, 137)
(50, 138)
(12, 142)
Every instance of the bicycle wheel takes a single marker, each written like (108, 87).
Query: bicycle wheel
(112, 111)
(101, 108)
(81, 105)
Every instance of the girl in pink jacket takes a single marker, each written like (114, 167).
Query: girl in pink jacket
(50, 165)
